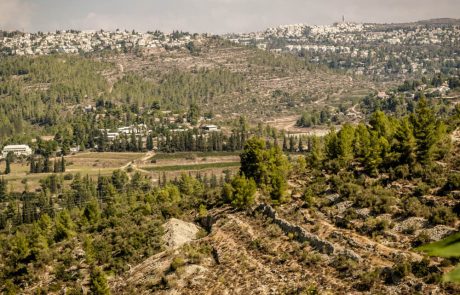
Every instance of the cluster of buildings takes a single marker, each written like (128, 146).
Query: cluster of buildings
(137, 129)
(88, 41)
(365, 49)
(354, 34)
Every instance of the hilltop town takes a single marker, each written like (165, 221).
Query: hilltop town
(73, 41)
(378, 50)
(383, 51)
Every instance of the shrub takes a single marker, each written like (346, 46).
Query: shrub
(366, 281)
(309, 198)
(421, 190)
(395, 274)
(421, 239)
(442, 215)
(68, 176)
(345, 266)
(452, 183)
(413, 207)
(176, 263)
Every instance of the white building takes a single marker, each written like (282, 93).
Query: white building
(210, 128)
(18, 150)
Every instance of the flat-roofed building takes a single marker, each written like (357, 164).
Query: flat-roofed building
(17, 149)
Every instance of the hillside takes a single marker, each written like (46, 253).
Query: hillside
(225, 80)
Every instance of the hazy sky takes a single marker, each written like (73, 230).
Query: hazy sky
(214, 16)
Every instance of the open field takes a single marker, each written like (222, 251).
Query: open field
(188, 155)
(91, 164)
(192, 167)
(92, 161)
(94, 164)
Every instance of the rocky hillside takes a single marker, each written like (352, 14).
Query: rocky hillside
(284, 250)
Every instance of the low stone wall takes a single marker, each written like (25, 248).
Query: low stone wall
(299, 233)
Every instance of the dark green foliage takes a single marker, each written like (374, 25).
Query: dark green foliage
(98, 282)
(240, 192)
(3, 189)
(442, 215)
(193, 114)
(268, 167)
(424, 124)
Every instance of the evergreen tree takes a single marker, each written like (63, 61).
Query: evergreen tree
(149, 143)
(404, 147)
(62, 164)
(3, 189)
(240, 193)
(292, 144)
(193, 114)
(268, 167)
(424, 123)
(8, 164)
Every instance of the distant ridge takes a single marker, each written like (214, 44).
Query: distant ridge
(440, 21)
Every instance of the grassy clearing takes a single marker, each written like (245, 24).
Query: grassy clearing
(187, 155)
(192, 167)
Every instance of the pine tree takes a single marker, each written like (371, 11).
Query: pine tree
(404, 147)
(424, 124)
(315, 155)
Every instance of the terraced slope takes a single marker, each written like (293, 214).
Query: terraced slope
(263, 252)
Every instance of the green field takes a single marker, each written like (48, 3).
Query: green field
(192, 167)
(187, 155)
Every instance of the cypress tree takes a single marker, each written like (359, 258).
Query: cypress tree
(62, 164)
(8, 165)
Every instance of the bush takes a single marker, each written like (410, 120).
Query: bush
(421, 190)
(413, 207)
(421, 239)
(367, 280)
(68, 176)
(176, 263)
(395, 274)
(345, 266)
(452, 183)
(309, 198)
(375, 227)
(442, 215)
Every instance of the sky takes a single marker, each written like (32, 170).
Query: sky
(210, 16)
